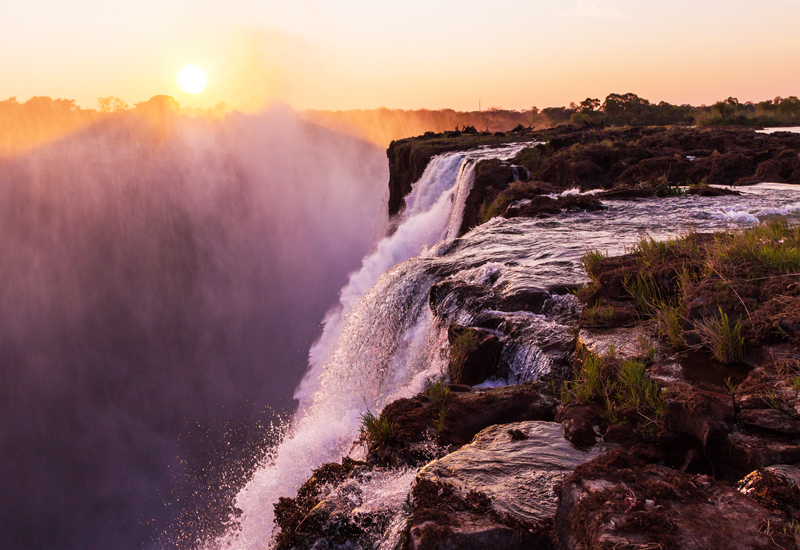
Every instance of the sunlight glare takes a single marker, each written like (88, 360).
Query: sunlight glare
(192, 79)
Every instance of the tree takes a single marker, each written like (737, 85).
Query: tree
(624, 108)
(589, 105)
(110, 104)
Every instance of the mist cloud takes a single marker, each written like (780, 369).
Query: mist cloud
(161, 285)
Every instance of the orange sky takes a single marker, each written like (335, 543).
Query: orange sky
(433, 53)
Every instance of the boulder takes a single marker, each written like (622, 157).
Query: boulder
(750, 451)
(775, 488)
(497, 492)
(420, 428)
(624, 341)
(617, 501)
(578, 420)
(772, 420)
(543, 206)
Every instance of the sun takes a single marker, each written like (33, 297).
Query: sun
(192, 79)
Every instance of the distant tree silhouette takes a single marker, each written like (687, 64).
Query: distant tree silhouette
(110, 104)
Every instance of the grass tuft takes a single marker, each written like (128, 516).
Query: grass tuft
(591, 261)
(439, 392)
(375, 429)
(722, 337)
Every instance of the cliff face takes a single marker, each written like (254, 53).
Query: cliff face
(409, 157)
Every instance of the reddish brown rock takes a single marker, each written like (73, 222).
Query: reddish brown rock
(616, 501)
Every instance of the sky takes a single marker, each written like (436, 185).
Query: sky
(351, 54)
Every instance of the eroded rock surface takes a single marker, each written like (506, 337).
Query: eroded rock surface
(497, 492)
(618, 501)
(423, 425)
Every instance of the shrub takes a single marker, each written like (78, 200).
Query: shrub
(645, 347)
(636, 390)
(646, 291)
(531, 158)
(599, 316)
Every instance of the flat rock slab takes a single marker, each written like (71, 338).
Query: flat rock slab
(624, 340)
(516, 465)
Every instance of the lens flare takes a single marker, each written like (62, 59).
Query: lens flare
(192, 79)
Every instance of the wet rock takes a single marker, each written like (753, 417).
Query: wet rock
(578, 420)
(628, 192)
(539, 462)
(474, 354)
(531, 299)
(453, 294)
(491, 177)
(467, 499)
(626, 342)
(708, 191)
(617, 501)
(456, 295)
(543, 206)
(771, 420)
(290, 513)
(542, 346)
(420, 429)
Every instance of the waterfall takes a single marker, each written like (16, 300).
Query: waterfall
(379, 343)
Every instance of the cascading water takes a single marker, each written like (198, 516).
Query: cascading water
(377, 345)
(383, 341)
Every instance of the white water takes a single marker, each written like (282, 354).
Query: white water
(378, 344)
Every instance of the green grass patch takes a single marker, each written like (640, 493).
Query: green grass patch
(622, 388)
(766, 249)
(670, 325)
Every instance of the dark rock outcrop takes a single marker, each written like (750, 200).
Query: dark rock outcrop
(491, 177)
(608, 158)
(422, 424)
(618, 501)
(548, 206)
